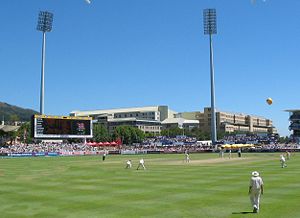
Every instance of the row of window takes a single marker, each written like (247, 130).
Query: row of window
(149, 127)
(146, 115)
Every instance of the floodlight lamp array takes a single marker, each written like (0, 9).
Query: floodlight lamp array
(45, 21)
(210, 21)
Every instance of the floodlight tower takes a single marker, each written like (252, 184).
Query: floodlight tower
(210, 28)
(45, 25)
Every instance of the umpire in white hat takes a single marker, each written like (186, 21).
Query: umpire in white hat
(256, 189)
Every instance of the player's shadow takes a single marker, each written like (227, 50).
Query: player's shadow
(243, 212)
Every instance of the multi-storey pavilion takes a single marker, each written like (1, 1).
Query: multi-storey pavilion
(294, 119)
(232, 122)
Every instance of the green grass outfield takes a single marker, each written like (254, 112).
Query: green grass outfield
(206, 187)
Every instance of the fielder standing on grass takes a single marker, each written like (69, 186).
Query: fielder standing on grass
(128, 164)
(187, 156)
(239, 152)
(142, 164)
(282, 161)
(221, 154)
(104, 156)
(256, 189)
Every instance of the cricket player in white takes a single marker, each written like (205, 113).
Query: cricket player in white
(255, 190)
(221, 153)
(141, 163)
(128, 164)
(187, 156)
(282, 161)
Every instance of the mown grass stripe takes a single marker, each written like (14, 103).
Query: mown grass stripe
(89, 187)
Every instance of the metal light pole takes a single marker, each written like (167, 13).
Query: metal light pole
(45, 25)
(210, 28)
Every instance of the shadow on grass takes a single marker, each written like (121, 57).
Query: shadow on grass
(243, 212)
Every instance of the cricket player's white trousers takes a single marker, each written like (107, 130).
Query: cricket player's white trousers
(254, 198)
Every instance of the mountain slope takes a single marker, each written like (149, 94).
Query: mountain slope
(10, 111)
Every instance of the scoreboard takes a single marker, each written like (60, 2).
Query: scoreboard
(61, 127)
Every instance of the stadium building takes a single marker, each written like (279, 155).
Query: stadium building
(148, 119)
(294, 119)
(155, 118)
(180, 122)
(6, 130)
(231, 122)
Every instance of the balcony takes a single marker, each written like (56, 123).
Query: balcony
(295, 117)
(294, 126)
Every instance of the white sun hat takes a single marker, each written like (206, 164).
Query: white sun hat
(255, 173)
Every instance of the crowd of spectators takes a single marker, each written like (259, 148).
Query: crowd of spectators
(45, 147)
(249, 139)
(169, 141)
(277, 147)
(162, 144)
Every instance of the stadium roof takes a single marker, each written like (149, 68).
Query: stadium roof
(292, 110)
(116, 110)
(179, 120)
(9, 128)
(131, 119)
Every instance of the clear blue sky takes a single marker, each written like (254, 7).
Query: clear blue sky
(127, 53)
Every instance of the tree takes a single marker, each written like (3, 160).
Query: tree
(128, 134)
(122, 132)
(24, 133)
(285, 139)
(199, 134)
(221, 134)
(14, 118)
(100, 133)
(149, 135)
(172, 132)
(139, 135)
